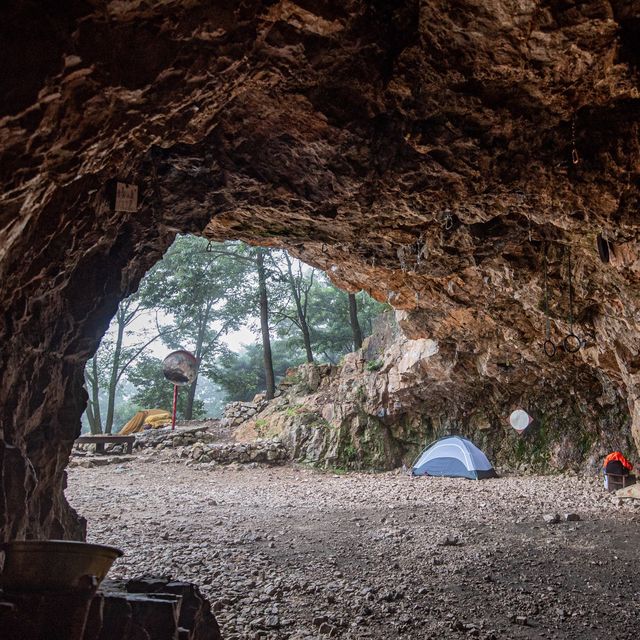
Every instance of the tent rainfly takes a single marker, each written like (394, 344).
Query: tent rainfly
(454, 457)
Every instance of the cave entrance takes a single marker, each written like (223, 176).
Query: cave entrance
(247, 315)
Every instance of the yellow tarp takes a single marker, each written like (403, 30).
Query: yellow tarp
(153, 417)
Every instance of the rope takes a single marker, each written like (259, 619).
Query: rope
(575, 158)
(570, 291)
(547, 333)
(548, 346)
(571, 337)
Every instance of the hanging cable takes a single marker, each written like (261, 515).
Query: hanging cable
(575, 158)
(571, 342)
(549, 347)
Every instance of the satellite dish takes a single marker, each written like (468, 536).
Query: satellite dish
(520, 420)
(180, 368)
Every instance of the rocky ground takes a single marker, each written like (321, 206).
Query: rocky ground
(287, 552)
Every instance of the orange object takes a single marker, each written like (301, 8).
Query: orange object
(616, 455)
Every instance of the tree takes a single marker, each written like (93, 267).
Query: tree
(115, 355)
(255, 258)
(153, 391)
(331, 320)
(241, 375)
(328, 317)
(205, 294)
(269, 377)
(356, 331)
(92, 382)
(300, 283)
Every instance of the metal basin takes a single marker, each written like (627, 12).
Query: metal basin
(54, 565)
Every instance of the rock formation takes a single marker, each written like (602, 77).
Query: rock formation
(423, 151)
(377, 410)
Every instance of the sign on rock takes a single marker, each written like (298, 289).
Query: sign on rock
(520, 420)
(126, 197)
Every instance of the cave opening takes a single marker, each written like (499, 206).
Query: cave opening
(419, 151)
(254, 312)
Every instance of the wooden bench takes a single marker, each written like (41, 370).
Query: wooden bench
(617, 481)
(101, 440)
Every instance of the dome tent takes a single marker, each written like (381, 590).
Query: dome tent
(454, 457)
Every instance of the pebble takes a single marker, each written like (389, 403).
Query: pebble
(302, 568)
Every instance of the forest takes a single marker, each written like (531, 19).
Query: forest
(208, 298)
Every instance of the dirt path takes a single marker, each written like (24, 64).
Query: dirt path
(292, 553)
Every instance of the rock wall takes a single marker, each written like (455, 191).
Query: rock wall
(420, 150)
(376, 410)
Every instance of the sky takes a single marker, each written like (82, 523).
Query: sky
(235, 340)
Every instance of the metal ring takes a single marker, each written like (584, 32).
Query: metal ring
(566, 342)
(549, 348)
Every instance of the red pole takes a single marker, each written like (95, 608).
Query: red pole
(175, 406)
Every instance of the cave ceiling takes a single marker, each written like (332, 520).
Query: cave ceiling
(430, 153)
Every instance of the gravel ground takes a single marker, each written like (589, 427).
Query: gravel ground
(292, 553)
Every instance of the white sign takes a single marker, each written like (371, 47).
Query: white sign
(520, 420)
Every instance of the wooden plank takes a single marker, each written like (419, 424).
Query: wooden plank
(101, 440)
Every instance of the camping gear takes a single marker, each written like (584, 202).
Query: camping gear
(453, 457)
(615, 462)
(155, 418)
(180, 368)
(52, 565)
(616, 472)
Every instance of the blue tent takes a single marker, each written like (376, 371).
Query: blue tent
(454, 457)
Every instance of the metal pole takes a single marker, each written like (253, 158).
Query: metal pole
(175, 406)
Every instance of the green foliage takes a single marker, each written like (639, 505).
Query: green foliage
(294, 410)
(206, 294)
(261, 426)
(241, 375)
(331, 335)
(349, 453)
(374, 365)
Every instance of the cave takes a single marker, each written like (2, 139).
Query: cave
(431, 153)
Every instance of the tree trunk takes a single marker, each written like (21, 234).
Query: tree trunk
(93, 406)
(264, 326)
(302, 316)
(306, 337)
(191, 396)
(188, 409)
(355, 325)
(113, 381)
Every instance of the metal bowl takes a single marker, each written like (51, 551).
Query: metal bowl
(54, 565)
(180, 367)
